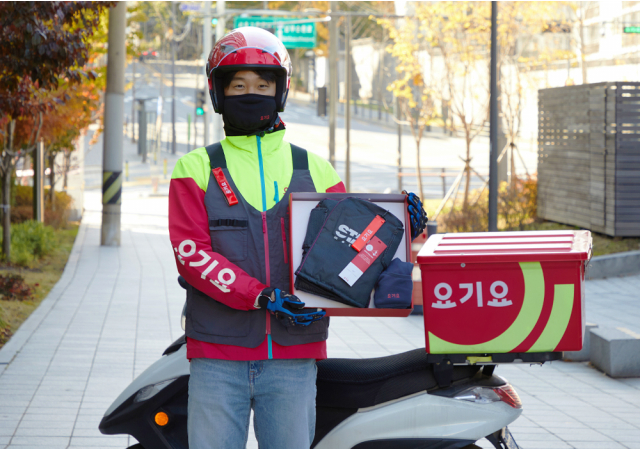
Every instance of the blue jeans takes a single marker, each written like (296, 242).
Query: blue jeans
(281, 392)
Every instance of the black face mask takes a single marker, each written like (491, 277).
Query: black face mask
(248, 114)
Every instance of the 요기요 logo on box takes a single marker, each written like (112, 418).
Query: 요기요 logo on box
(497, 308)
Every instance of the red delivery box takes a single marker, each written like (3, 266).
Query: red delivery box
(509, 292)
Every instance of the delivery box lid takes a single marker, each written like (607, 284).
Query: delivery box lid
(509, 246)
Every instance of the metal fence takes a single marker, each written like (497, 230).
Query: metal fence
(589, 157)
(368, 110)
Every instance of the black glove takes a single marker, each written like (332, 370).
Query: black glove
(284, 305)
(417, 214)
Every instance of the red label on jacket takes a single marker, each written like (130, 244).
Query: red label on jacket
(224, 186)
(368, 233)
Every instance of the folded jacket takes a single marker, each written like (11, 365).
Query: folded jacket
(333, 226)
(395, 286)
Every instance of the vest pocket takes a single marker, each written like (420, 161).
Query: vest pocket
(317, 327)
(229, 238)
(211, 317)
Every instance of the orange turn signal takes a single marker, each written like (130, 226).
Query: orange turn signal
(161, 419)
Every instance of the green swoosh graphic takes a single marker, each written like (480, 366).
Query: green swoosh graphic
(521, 327)
(558, 321)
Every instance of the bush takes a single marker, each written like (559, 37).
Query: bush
(31, 241)
(56, 216)
(13, 287)
(5, 332)
(474, 218)
(516, 209)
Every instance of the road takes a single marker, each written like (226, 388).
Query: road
(374, 144)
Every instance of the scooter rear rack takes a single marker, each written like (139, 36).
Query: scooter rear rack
(443, 364)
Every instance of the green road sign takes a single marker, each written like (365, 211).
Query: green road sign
(292, 35)
(634, 30)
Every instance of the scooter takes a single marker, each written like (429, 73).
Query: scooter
(399, 401)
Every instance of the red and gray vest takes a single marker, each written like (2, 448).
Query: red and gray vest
(257, 242)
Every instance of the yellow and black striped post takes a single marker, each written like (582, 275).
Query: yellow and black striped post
(111, 188)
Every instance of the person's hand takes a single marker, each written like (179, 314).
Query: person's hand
(417, 214)
(287, 306)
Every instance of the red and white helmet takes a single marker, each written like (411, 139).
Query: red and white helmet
(248, 48)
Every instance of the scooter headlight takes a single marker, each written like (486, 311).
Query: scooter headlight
(149, 391)
(486, 395)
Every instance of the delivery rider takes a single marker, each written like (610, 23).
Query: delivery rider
(251, 345)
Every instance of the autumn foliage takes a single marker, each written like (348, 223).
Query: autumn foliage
(41, 43)
(46, 91)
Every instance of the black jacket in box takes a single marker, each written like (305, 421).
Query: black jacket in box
(333, 226)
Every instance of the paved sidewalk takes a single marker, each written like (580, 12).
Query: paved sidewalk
(116, 309)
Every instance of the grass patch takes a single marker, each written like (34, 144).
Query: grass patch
(44, 272)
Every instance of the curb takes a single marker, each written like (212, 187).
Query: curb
(22, 335)
(614, 265)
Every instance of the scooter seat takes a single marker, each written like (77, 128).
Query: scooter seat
(359, 383)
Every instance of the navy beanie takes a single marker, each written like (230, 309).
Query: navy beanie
(394, 286)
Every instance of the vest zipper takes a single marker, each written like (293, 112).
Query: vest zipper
(266, 254)
(264, 194)
(266, 240)
(266, 247)
(284, 240)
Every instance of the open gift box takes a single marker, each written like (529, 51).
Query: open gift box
(300, 205)
(509, 292)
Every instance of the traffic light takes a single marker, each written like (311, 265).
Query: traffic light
(200, 102)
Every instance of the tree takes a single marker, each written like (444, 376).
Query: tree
(580, 11)
(415, 87)
(520, 25)
(456, 37)
(41, 44)
(63, 125)
(460, 31)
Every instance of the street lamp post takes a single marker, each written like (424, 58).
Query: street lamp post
(347, 96)
(173, 80)
(113, 130)
(206, 49)
(133, 101)
(218, 131)
(493, 124)
(333, 85)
